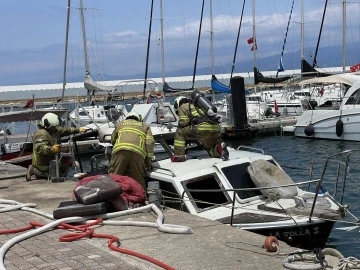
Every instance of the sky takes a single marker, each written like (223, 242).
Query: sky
(33, 35)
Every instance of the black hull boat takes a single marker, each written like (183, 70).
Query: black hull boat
(309, 236)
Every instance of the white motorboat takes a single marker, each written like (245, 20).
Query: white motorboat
(205, 187)
(232, 192)
(338, 122)
(86, 115)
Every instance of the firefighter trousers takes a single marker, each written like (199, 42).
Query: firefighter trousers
(129, 163)
(209, 138)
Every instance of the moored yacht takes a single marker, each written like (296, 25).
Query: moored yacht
(338, 121)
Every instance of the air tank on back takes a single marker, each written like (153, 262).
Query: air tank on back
(205, 104)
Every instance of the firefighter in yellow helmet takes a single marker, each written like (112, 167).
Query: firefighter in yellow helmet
(46, 145)
(197, 123)
(133, 148)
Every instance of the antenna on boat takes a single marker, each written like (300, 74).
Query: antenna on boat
(66, 49)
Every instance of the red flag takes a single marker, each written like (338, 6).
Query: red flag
(276, 108)
(250, 40)
(29, 104)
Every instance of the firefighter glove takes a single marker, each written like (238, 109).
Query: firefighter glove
(148, 164)
(55, 148)
(83, 129)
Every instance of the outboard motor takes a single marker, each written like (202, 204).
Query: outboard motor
(204, 103)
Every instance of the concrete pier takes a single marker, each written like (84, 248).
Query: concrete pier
(211, 246)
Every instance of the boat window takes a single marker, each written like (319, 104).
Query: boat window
(240, 178)
(205, 200)
(354, 98)
(167, 114)
(82, 113)
(171, 196)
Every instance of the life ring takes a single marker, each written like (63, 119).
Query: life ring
(271, 244)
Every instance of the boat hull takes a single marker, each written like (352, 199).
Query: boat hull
(305, 236)
(324, 123)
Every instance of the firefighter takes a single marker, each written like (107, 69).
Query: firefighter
(196, 124)
(46, 145)
(133, 148)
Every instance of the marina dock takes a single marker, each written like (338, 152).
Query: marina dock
(211, 246)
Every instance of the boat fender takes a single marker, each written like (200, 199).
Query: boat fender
(271, 244)
(200, 100)
(309, 130)
(339, 128)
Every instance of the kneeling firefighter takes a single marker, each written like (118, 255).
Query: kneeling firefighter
(133, 148)
(46, 145)
(198, 121)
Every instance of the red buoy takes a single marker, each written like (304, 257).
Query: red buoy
(271, 243)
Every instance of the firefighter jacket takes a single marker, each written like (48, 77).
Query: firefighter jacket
(135, 136)
(42, 142)
(191, 115)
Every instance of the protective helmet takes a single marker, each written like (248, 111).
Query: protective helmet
(50, 120)
(177, 102)
(134, 115)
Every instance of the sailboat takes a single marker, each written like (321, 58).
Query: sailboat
(166, 87)
(94, 113)
(216, 85)
(308, 70)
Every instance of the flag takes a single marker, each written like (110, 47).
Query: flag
(281, 66)
(276, 108)
(252, 41)
(29, 104)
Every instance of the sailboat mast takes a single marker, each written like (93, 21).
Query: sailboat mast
(162, 42)
(148, 48)
(237, 41)
(318, 41)
(82, 18)
(302, 31)
(66, 48)
(344, 36)
(254, 34)
(198, 44)
(211, 39)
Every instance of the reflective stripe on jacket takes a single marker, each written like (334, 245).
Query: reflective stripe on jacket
(185, 118)
(133, 136)
(42, 142)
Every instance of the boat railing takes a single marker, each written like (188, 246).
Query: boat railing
(346, 154)
(235, 190)
(167, 170)
(248, 148)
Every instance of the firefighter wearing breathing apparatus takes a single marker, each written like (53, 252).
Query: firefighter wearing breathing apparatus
(198, 120)
(133, 148)
(46, 145)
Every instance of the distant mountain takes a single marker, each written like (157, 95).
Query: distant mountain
(327, 57)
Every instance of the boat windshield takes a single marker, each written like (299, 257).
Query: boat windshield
(238, 177)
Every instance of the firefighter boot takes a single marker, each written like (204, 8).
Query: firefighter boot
(29, 173)
(177, 158)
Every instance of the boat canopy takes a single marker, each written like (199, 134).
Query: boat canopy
(90, 85)
(259, 78)
(27, 115)
(348, 79)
